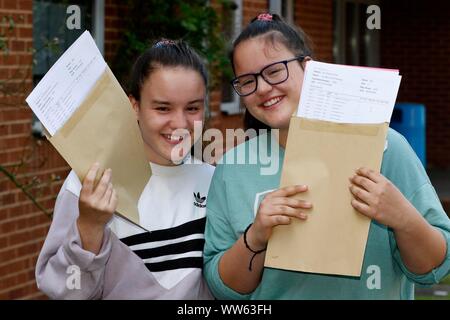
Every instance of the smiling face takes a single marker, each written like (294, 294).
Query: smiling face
(270, 104)
(172, 100)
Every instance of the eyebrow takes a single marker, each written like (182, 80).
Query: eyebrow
(196, 101)
(168, 103)
(161, 102)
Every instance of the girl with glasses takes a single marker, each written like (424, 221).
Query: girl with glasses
(409, 233)
(89, 252)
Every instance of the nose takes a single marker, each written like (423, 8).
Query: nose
(263, 86)
(179, 120)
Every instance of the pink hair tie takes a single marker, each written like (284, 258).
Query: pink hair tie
(265, 17)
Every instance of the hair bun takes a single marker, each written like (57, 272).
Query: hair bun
(163, 42)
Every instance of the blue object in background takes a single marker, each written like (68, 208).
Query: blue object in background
(409, 119)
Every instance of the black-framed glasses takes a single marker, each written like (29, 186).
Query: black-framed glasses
(274, 73)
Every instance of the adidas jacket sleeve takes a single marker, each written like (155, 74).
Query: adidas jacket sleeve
(65, 270)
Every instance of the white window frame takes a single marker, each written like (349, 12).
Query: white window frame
(98, 33)
(276, 6)
(233, 107)
(98, 24)
(339, 48)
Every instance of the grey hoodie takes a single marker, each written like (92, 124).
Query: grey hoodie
(132, 263)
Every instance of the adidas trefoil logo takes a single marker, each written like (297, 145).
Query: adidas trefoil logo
(199, 200)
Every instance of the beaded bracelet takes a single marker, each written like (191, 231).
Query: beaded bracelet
(248, 247)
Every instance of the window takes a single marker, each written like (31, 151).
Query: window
(284, 8)
(233, 24)
(51, 36)
(354, 43)
(49, 24)
(230, 100)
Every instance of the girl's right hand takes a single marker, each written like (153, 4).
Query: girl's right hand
(277, 208)
(97, 205)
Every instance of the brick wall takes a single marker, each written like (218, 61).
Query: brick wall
(251, 8)
(22, 225)
(415, 38)
(316, 19)
(114, 22)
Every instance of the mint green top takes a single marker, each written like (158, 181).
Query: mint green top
(237, 190)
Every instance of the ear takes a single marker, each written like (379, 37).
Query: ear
(305, 60)
(135, 105)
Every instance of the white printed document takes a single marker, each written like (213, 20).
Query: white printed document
(348, 94)
(89, 118)
(67, 83)
(341, 125)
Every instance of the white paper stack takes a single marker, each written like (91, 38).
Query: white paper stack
(67, 83)
(348, 94)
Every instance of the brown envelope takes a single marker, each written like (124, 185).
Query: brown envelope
(323, 155)
(104, 129)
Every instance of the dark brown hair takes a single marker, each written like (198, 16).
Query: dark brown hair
(275, 30)
(164, 53)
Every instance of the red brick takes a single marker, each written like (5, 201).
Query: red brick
(35, 296)
(17, 45)
(13, 267)
(25, 32)
(22, 209)
(8, 254)
(4, 73)
(29, 249)
(3, 244)
(8, 59)
(22, 291)
(9, 4)
(7, 227)
(4, 130)
(21, 237)
(11, 281)
(26, 5)
(28, 19)
(14, 114)
(4, 214)
(14, 141)
(20, 128)
(7, 199)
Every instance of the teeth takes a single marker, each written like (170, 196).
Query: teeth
(173, 138)
(271, 102)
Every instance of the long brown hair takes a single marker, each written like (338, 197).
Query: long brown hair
(276, 30)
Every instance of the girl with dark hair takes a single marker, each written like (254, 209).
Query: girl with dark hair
(409, 234)
(90, 253)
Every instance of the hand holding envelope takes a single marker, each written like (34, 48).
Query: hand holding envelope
(89, 119)
(341, 125)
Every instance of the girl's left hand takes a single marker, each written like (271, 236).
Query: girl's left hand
(378, 198)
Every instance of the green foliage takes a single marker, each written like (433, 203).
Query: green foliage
(7, 25)
(194, 21)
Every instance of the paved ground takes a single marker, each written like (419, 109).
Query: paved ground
(440, 291)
